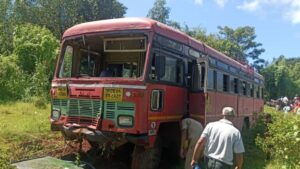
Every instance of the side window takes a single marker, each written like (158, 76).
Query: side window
(210, 79)
(225, 83)
(167, 69)
(233, 85)
(244, 88)
(173, 71)
(252, 90)
(66, 64)
(220, 78)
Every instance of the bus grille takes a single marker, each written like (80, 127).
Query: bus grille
(80, 111)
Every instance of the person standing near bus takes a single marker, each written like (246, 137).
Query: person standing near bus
(190, 133)
(221, 141)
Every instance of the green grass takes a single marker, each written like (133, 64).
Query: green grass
(25, 131)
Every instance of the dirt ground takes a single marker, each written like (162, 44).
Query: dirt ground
(119, 159)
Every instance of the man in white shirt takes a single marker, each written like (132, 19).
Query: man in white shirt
(219, 142)
(190, 133)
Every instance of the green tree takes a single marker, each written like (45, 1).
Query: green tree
(241, 43)
(159, 11)
(6, 28)
(58, 15)
(281, 78)
(36, 49)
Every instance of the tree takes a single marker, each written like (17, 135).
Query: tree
(241, 44)
(6, 28)
(58, 15)
(280, 81)
(159, 11)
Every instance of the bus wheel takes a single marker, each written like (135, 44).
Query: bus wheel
(146, 158)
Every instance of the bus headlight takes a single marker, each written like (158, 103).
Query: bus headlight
(125, 121)
(55, 114)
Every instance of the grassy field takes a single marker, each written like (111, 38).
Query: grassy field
(25, 133)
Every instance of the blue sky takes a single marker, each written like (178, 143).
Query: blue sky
(277, 22)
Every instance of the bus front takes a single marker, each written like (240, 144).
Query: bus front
(98, 91)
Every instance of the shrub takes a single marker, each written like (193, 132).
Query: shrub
(282, 140)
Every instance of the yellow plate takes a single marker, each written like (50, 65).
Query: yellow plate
(62, 93)
(113, 94)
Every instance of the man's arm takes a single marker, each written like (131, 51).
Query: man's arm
(239, 159)
(199, 148)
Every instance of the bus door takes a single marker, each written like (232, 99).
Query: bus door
(167, 93)
(197, 88)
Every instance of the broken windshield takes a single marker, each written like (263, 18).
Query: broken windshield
(103, 56)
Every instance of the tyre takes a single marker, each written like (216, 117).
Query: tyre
(146, 158)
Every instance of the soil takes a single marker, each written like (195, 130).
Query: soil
(118, 159)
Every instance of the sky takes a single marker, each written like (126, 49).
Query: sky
(276, 22)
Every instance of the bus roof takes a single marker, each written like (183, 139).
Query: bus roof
(149, 24)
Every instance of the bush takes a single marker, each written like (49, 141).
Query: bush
(12, 81)
(282, 140)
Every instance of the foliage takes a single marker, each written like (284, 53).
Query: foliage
(58, 15)
(159, 11)
(282, 139)
(238, 44)
(280, 81)
(11, 78)
(6, 28)
(34, 45)
(35, 49)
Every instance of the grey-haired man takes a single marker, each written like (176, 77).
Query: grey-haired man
(219, 142)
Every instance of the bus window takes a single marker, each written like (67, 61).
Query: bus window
(252, 90)
(225, 83)
(244, 88)
(210, 79)
(66, 66)
(220, 81)
(233, 85)
(167, 69)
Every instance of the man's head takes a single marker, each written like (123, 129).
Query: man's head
(228, 112)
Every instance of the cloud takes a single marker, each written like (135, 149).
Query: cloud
(198, 2)
(249, 6)
(290, 9)
(221, 3)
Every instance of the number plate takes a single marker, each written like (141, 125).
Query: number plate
(61, 93)
(113, 94)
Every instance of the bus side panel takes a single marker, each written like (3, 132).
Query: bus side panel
(217, 101)
(197, 106)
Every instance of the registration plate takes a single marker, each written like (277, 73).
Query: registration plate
(61, 93)
(113, 94)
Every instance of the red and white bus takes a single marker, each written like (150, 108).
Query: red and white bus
(132, 80)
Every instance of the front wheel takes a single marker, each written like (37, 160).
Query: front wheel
(146, 158)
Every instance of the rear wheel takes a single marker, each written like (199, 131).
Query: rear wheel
(146, 158)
